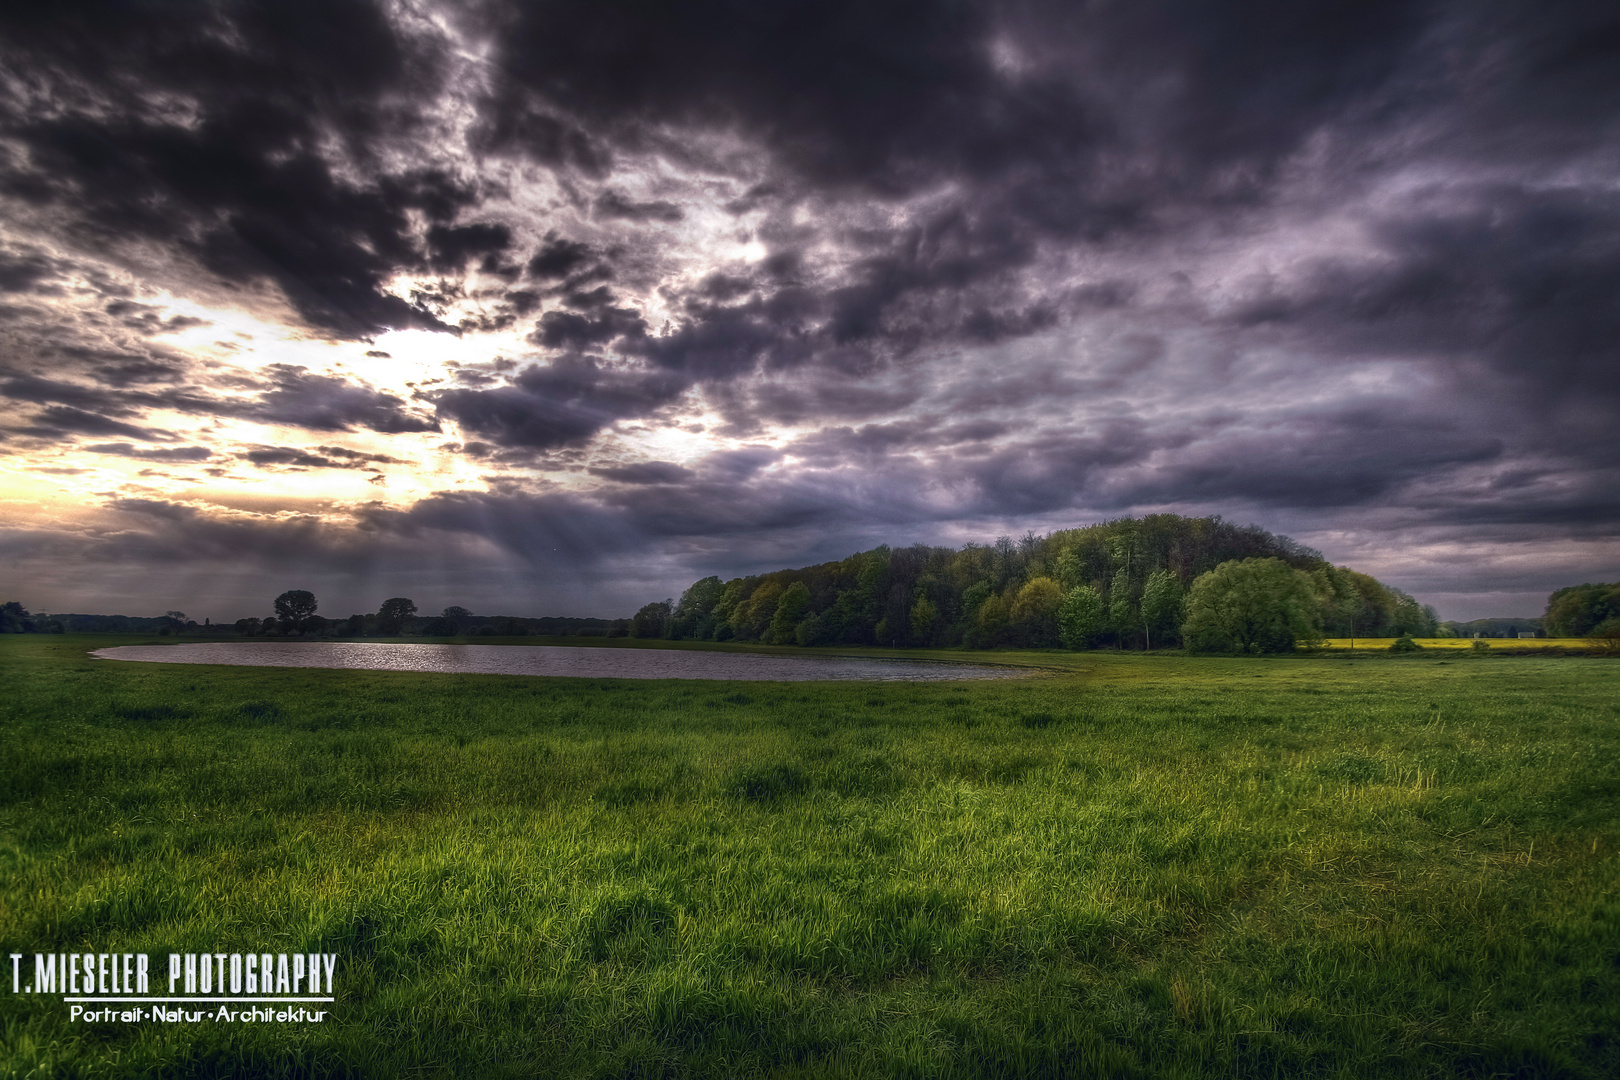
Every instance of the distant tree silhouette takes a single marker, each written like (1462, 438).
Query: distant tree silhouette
(14, 619)
(650, 620)
(392, 615)
(294, 609)
(448, 624)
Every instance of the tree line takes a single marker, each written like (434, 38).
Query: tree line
(1159, 581)
(296, 613)
(1134, 583)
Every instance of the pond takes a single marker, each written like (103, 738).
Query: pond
(588, 663)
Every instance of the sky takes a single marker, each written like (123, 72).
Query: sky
(553, 308)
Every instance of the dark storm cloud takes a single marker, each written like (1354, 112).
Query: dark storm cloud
(590, 531)
(1308, 459)
(1044, 106)
(202, 126)
(64, 419)
(288, 395)
(38, 390)
(559, 258)
(564, 403)
(645, 472)
(325, 403)
(24, 271)
(1031, 116)
(168, 454)
(1526, 280)
(145, 320)
(617, 205)
(453, 247)
(321, 457)
(573, 332)
(127, 370)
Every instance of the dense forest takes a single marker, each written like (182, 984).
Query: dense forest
(1123, 583)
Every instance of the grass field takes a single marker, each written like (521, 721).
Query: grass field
(1154, 866)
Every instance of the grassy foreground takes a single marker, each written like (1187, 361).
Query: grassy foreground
(1143, 866)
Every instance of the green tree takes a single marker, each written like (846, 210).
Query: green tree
(1161, 605)
(1252, 606)
(694, 615)
(992, 618)
(293, 610)
(1578, 610)
(923, 615)
(860, 608)
(1070, 567)
(791, 608)
(392, 615)
(1034, 612)
(1080, 618)
(812, 630)
(650, 620)
(14, 618)
(1122, 608)
(974, 596)
(752, 618)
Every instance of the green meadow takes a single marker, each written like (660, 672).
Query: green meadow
(1126, 865)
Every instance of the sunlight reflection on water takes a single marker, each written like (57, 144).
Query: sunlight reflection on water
(589, 663)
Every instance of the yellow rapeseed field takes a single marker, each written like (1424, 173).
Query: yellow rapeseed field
(1465, 643)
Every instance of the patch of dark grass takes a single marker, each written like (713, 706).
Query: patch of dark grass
(768, 784)
(151, 714)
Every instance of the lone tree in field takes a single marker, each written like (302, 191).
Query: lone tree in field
(294, 609)
(392, 615)
(1252, 606)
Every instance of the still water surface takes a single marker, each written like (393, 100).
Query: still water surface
(556, 660)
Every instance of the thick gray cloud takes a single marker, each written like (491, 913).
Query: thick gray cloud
(565, 402)
(917, 271)
(176, 454)
(286, 395)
